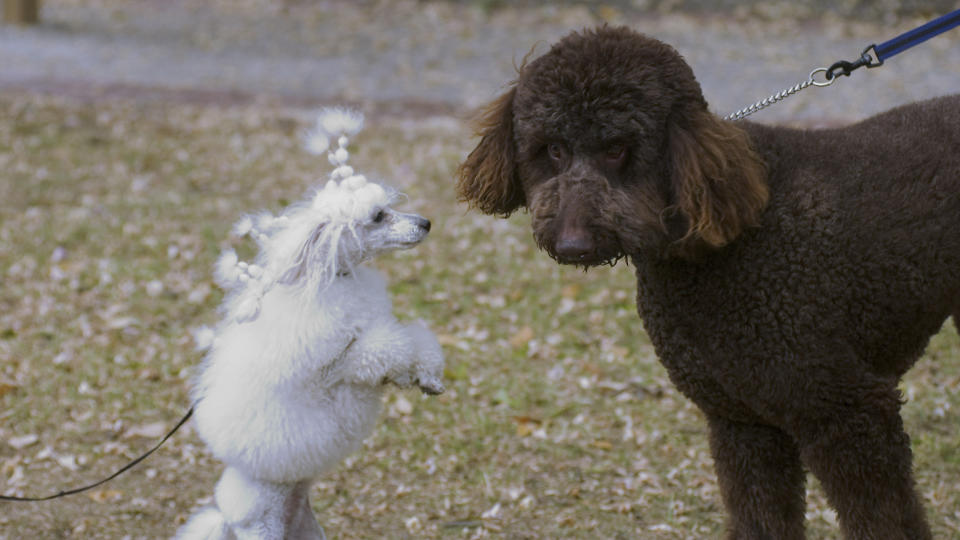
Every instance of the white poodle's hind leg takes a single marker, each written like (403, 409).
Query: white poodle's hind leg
(206, 524)
(301, 523)
(258, 510)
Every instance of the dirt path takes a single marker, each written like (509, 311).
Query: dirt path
(422, 58)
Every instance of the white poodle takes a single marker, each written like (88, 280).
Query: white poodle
(293, 379)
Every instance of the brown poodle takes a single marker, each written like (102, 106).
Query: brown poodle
(787, 278)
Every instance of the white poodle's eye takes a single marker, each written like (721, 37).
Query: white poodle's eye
(379, 216)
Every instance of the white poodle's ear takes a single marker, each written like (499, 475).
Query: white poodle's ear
(488, 178)
(303, 258)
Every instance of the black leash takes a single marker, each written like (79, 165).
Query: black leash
(124, 469)
(871, 57)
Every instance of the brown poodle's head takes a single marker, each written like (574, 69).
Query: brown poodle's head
(606, 139)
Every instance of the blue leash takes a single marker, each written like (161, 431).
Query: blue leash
(917, 36)
(871, 57)
(895, 46)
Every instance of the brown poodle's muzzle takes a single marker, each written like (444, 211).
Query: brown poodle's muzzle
(574, 242)
(569, 221)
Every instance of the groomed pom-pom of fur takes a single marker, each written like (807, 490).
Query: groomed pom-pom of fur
(355, 182)
(343, 171)
(227, 271)
(242, 227)
(317, 142)
(336, 121)
(333, 123)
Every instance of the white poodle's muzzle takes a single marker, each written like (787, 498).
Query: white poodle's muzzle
(392, 230)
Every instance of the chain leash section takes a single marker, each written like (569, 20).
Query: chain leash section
(871, 57)
(784, 94)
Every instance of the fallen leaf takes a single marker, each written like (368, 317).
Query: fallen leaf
(105, 495)
(590, 367)
(120, 323)
(570, 291)
(601, 444)
(153, 430)
(68, 462)
(403, 406)
(526, 425)
(447, 339)
(6, 388)
(492, 513)
(22, 441)
(522, 337)
(413, 524)
(148, 374)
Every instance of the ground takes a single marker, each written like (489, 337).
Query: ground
(133, 134)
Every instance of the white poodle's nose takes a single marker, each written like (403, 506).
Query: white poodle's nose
(424, 224)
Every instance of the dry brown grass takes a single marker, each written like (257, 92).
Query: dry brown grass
(558, 421)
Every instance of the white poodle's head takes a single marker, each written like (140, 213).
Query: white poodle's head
(345, 224)
(311, 243)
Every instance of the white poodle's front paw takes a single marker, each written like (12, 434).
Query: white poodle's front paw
(403, 379)
(424, 365)
(430, 384)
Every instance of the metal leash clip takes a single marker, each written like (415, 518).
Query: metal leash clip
(868, 58)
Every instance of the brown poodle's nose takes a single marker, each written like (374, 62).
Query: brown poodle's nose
(574, 243)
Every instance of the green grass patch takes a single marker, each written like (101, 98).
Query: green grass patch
(558, 421)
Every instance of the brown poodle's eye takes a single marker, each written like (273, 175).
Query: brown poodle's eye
(615, 155)
(556, 151)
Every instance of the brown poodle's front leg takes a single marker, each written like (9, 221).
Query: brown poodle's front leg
(761, 480)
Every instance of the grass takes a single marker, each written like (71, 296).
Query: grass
(558, 421)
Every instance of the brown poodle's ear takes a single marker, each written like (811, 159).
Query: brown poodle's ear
(719, 180)
(488, 179)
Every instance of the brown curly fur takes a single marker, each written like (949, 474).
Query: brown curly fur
(787, 278)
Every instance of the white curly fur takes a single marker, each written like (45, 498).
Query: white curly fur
(295, 371)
